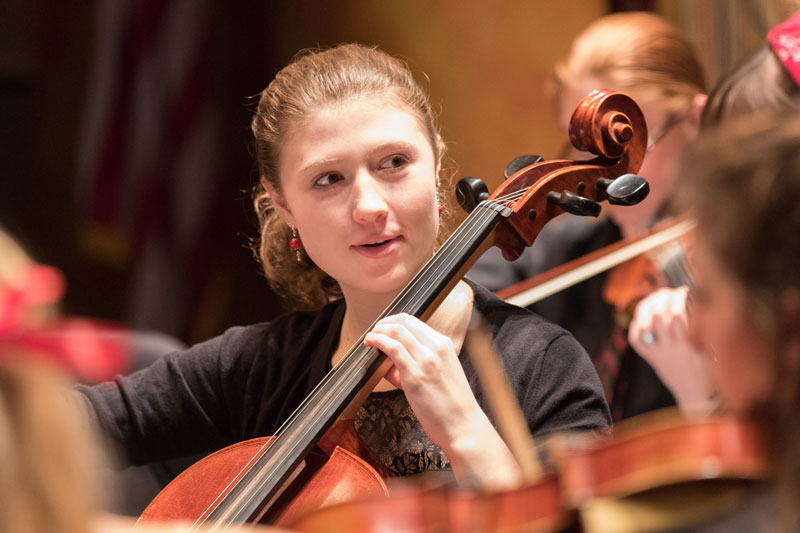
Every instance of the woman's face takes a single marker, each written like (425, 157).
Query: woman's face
(723, 327)
(359, 183)
(667, 138)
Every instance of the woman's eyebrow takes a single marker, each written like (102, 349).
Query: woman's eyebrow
(400, 145)
(393, 144)
(320, 163)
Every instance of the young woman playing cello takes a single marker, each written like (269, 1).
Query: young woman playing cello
(349, 202)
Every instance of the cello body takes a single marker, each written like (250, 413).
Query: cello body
(333, 474)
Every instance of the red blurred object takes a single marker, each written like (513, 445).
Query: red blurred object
(88, 349)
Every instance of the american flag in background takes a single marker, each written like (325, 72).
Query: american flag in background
(148, 162)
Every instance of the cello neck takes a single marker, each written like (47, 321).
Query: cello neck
(316, 414)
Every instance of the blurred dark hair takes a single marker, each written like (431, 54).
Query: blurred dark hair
(743, 186)
(759, 85)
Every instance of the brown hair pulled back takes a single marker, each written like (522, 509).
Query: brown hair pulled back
(635, 51)
(743, 185)
(314, 80)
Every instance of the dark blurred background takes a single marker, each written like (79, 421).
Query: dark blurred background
(125, 124)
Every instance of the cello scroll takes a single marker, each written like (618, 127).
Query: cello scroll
(606, 123)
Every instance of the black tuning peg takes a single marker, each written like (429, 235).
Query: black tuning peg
(572, 203)
(520, 162)
(628, 189)
(470, 192)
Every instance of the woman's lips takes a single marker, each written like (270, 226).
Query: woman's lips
(378, 248)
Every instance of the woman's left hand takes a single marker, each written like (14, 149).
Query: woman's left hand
(659, 332)
(427, 368)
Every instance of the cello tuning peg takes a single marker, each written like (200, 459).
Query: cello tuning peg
(520, 162)
(628, 189)
(572, 203)
(470, 192)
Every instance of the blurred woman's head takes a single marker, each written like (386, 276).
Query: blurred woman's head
(743, 186)
(744, 189)
(644, 56)
(768, 82)
(47, 462)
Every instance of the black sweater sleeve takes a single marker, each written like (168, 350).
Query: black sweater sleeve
(177, 406)
(569, 395)
(234, 387)
(550, 373)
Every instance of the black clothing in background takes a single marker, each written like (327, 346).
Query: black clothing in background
(580, 308)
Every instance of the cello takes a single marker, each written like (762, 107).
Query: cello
(655, 472)
(273, 479)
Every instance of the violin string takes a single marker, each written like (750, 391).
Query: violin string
(688, 277)
(675, 267)
(450, 246)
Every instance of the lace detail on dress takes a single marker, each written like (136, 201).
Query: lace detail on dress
(388, 426)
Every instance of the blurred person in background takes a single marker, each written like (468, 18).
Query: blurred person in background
(766, 83)
(742, 184)
(646, 57)
(92, 350)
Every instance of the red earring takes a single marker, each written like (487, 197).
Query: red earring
(294, 244)
(440, 208)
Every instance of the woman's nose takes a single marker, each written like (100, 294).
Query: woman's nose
(369, 202)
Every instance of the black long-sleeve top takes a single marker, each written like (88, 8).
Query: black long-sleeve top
(247, 381)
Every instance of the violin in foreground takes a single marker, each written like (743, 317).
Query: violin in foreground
(314, 461)
(658, 473)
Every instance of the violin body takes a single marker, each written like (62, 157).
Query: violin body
(535, 507)
(333, 474)
(663, 453)
(665, 473)
(665, 266)
(657, 473)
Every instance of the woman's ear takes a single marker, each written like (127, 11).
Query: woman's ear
(696, 111)
(279, 203)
